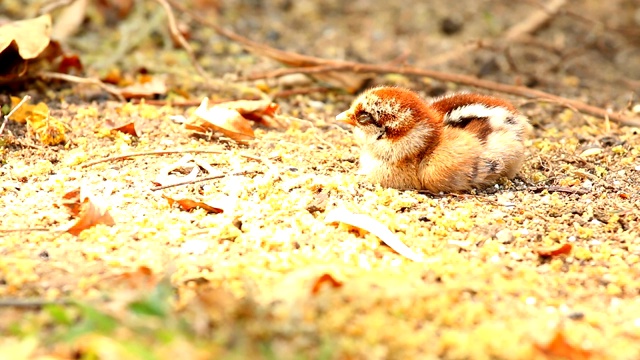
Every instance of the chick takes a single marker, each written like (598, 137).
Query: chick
(453, 143)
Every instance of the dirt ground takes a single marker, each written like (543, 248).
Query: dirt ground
(269, 277)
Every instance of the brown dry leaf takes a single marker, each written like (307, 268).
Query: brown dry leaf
(30, 36)
(142, 277)
(563, 249)
(146, 87)
(23, 43)
(325, 279)
(88, 210)
(188, 205)
(260, 111)
(371, 225)
(129, 128)
(69, 62)
(558, 347)
(72, 202)
(219, 118)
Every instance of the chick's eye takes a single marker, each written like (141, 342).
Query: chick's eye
(365, 118)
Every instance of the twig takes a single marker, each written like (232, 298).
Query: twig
(173, 28)
(480, 83)
(561, 189)
(204, 179)
(7, 231)
(535, 21)
(6, 117)
(164, 152)
(80, 80)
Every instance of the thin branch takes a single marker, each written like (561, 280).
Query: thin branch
(207, 178)
(164, 152)
(80, 80)
(479, 83)
(6, 117)
(535, 21)
(173, 28)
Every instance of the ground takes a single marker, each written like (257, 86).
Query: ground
(269, 277)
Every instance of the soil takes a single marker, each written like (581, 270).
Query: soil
(269, 277)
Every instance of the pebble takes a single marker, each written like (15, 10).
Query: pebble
(504, 236)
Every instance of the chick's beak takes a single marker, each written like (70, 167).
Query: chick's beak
(345, 118)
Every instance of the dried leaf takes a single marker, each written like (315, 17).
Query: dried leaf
(23, 43)
(324, 279)
(186, 164)
(227, 121)
(89, 211)
(31, 36)
(146, 87)
(72, 202)
(558, 347)
(129, 128)
(260, 111)
(69, 62)
(371, 225)
(188, 205)
(563, 249)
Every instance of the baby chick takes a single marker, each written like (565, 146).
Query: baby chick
(453, 143)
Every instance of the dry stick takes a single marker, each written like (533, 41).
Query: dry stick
(318, 65)
(204, 179)
(6, 117)
(480, 83)
(79, 80)
(173, 28)
(535, 21)
(163, 152)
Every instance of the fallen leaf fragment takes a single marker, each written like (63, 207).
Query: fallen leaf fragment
(224, 120)
(89, 211)
(558, 347)
(260, 111)
(563, 249)
(128, 128)
(371, 225)
(188, 205)
(147, 87)
(325, 279)
(186, 163)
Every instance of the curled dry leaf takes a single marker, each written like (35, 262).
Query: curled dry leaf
(89, 211)
(188, 205)
(371, 225)
(25, 42)
(129, 128)
(221, 119)
(560, 348)
(260, 111)
(562, 249)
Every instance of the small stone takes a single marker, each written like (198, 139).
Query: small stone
(504, 236)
